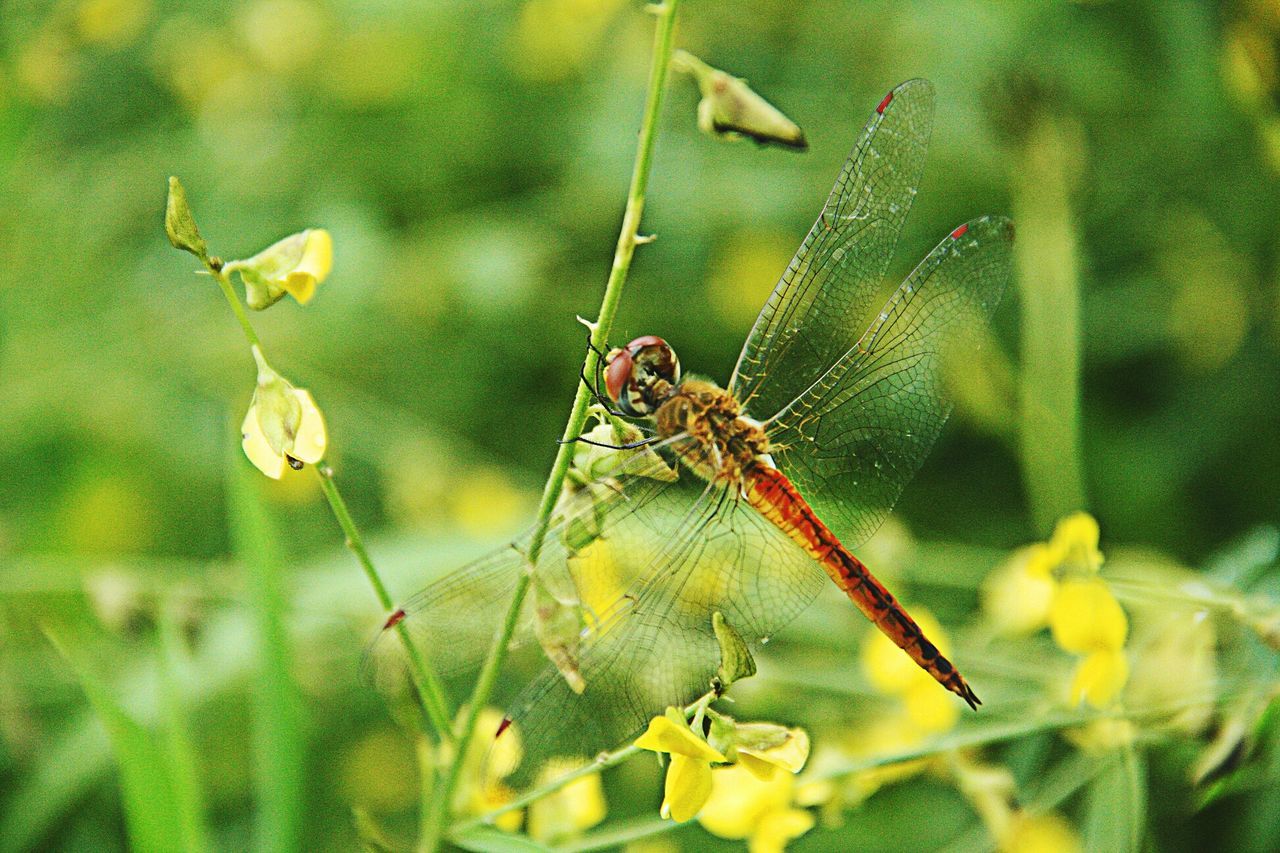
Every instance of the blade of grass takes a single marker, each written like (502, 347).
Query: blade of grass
(487, 839)
(1048, 277)
(147, 786)
(277, 726)
(1117, 805)
(179, 750)
(620, 834)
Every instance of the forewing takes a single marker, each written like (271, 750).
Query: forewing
(656, 648)
(854, 439)
(811, 317)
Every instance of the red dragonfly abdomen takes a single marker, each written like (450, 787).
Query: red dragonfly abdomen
(772, 494)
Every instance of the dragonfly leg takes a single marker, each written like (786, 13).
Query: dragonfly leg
(594, 387)
(600, 400)
(629, 446)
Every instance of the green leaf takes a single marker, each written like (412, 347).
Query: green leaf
(278, 736)
(486, 839)
(146, 781)
(1115, 817)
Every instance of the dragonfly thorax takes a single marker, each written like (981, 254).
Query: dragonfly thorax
(722, 443)
(641, 376)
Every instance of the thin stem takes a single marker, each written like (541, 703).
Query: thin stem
(424, 678)
(434, 822)
(224, 282)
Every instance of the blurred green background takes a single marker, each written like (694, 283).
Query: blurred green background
(471, 161)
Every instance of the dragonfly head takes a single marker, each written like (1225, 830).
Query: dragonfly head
(642, 375)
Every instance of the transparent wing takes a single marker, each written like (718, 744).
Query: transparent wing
(656, 646)
(852, 441)
(650, 561)
(809, 319)
(454, 619)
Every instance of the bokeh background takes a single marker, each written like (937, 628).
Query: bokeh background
(471, 161)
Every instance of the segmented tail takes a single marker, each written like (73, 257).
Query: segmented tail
(776, 498)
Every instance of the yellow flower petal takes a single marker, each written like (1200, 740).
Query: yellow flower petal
(790, 755)
(687, 788)
(1085, 617)
(577, 806)
(664, 735)
(1099, 678)
(776, 828)
(930, 708)
(1017, 595)
(300, 285)
(1041, 559)
(317, 260)
(759, 768)
(258, 449)
(1075, 541)
(739, 799)
(310, 442)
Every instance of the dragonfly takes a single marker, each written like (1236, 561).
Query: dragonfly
(744, 499)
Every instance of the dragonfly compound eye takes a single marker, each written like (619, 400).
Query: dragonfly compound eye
(639, 376)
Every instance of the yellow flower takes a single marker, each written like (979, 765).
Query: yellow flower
(1041, 833)
(789, 755)
(1075, 543)
(486, 764)
(689, 777)
(294, 265)
(742, 805)
(1085, 617)
(1016, 596)
(577, 806)
(1099, 678)
(283, 426)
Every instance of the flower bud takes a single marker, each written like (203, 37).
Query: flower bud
(180, 225)
(736, 661)
(730, 108)
(294, 265)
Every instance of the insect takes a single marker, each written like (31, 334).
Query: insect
(745, 499)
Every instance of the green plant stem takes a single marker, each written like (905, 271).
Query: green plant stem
(434, 822)
(224, 282)
(600, 763)
(424, 678)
